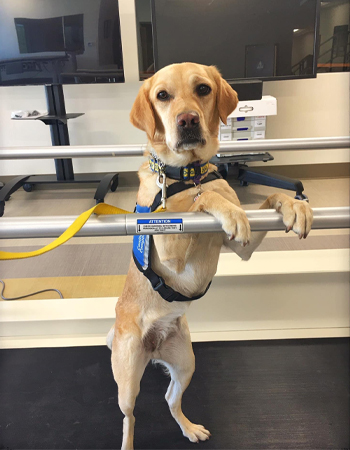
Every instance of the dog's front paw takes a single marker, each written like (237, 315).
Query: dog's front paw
(196, 433)
(297, 214)
(236, 226)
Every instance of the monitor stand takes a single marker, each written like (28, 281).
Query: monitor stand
(57, 119)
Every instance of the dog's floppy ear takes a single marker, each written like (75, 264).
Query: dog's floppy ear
(142, 114)
(226, 97)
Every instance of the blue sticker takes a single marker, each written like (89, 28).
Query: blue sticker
(141, 242)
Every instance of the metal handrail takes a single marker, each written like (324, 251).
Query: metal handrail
(299, 62)
(126, 224)
(324, 53)
(325, 42)
(329, 39)
(319, 55)
(63, 152)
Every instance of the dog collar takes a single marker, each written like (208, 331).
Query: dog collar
(192, 171)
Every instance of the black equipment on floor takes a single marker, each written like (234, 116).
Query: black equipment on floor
(246, 175)
(57, 119)
(281, 394)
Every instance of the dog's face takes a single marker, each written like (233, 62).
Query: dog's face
(180, 108)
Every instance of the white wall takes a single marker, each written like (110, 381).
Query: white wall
(310, 108)
(306, 108)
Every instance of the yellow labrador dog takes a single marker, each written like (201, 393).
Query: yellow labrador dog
(180, 108)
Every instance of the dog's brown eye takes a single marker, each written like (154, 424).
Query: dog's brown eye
(203, 89)
(163, 95)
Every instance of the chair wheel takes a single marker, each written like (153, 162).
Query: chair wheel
(2, 208)
(1, 185)
(28, 187)
(302, 197)
(99, 200)
(243, 183)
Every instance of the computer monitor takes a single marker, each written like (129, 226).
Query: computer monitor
(260, 39)
(60, 41)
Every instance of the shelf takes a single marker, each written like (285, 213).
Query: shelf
(51, 119)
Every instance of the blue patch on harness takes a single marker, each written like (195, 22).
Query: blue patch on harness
(141, 242)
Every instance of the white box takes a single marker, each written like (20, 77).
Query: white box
(267, 106)
(259, 134)
(260, 124)
(242, 139)
(225, 128)
(243, 126)
(242, 120)
(225, 136)
(250, 126)
(242, 134)
(252, 134)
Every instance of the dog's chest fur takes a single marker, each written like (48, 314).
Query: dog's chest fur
(159, 332)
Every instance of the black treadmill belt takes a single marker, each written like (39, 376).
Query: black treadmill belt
(250, 395)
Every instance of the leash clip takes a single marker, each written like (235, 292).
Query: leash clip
(199, 190)
(161, 183)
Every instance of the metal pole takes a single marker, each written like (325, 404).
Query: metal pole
(260, 145)
(121, 225)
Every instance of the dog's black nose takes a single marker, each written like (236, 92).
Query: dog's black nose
(188, 120)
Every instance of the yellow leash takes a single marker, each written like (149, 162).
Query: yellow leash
(72, 230)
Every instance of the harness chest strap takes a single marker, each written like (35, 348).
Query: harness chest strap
(142, 247)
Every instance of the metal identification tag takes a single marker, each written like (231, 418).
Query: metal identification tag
(151, 226)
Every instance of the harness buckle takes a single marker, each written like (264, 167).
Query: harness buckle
(159, 284)
(161, 182)
(198, 171)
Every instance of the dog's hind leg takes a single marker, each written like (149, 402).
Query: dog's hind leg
(110, 337)
(129, 360)
(177, 355)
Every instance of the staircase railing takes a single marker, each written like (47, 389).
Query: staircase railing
(299, 67)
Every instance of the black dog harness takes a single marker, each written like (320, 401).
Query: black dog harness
(142, 244)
